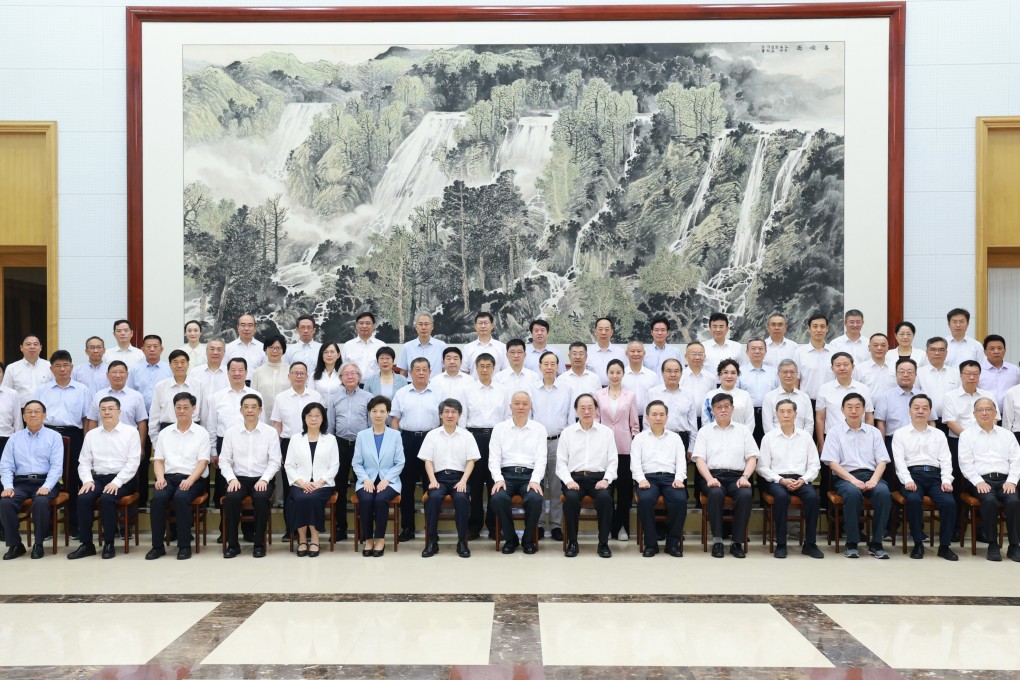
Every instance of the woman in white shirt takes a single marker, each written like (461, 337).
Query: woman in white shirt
(743, 407)
(313, 460)
(904, 344)
(326, 376)
(193, 344)
(272, 377)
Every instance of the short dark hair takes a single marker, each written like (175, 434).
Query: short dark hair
(306, 317)
(938, 338)
(257, 398)
(33, 401)
(451, 403)
(516, 342)
(239, 360)
(177, 354)
(578, 398)
(61, 355)
(483, 315)
(485, 356)
(379, 399)
(718, 316)
(385, 350)
(152, 336)
(297, 363)
(957, 311)
(308, 409)
(268, 342)
(720, 397)
(420, 360)
(362, 315)
(450, 349)
(853, 312)
(666, 361)
(832, 359)
(853, 395)
(108, 399)
(783, 402)
(185, 396)
(116, 362)
(546, 353)
(94, 337)
(816, 317)
(120, 321)
(577, 343)
(919, 396)
(967, 364)
(878, 335)
(906, 360)
(728, 362)
(993, 338)
(538, 322)
(663, 320)
(615, 362)
(605, 318)
(656, 402)
(905, 324)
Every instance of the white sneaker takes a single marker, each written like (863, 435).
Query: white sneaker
(623, 536)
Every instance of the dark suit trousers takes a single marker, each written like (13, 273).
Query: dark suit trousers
(930, 484)
(742, 498)
(853, 499)
(781, 507)
(502, 506)
(989, 512)
(161, 500)
(434, 502)
(374, 508)
(107, 508)
(412, 474)
(480, 483)
(142, 478)
(71, 481)
(623, 488)
(342, 482)
(892, 526)
(602, 498)
(261, 502)
(9, 508)
(676, 509)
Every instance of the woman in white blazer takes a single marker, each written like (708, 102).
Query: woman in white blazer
(378, 460)
(313, 460)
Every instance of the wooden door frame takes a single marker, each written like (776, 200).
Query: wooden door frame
(49, 131)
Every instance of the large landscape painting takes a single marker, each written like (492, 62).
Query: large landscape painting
(556, 181)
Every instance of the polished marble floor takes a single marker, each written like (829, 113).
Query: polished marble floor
(519, 616)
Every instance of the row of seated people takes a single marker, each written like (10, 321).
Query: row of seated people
(587, 461)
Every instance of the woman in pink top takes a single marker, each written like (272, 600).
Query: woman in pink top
(618, 412)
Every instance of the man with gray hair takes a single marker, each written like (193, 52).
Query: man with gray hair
(424, 346)
(347, 414)
(777, 346)
(789, 374)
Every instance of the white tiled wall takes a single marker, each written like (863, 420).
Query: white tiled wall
(63, 60)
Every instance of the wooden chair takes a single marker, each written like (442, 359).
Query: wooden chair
(331, 523)
(392, 515)
(835, 507)
(127, 516)
(927, 506)
(516, 511)
(59, 506)
(246, 504)
(446, 512)
(972, 503)
(588, 514)
(660, 509)
(199, 520)
(727, 505)
(795, 514)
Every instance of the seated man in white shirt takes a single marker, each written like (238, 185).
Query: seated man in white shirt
(249, 462)
(726, 456)
(788, 463)
(517, 457)
(924, 467)
(107, 465)
(449, 453)
(658, 461)
(586, 463)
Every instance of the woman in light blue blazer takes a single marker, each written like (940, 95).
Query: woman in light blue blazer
(378, 460)
(386, 382)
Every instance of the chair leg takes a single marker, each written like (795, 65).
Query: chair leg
(357, 524)
(223, 530)
(396, 526)
(835, 531)
(499, 533)
(931, 528)
(903, 525)
(332, 530)
(973, 530)
(704, 529)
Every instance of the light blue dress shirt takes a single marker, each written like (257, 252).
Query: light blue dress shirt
(29, 453)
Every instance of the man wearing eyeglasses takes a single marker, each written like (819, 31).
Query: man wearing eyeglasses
(347, 415)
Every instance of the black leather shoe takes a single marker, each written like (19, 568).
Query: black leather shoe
(780, 553)
(219, 539)
(1013, 553)
(15, 551)
(155, 553)
(674, 551)
(556, 534)
(993, 553)
(248, 536)
(375, 553)
(718, 550)
(918, 552)
(541, 533)
(529, 548)
(109, 551)
(258, 551)
(315, 553)
(509, 547)
(604, 550)
(650, 551)
(572, 549)
(341, 535)
(38, 552)
(367, 552)
(230, 553)
(462, 549)
(946, 553)
(184, 553)
(431, 548)
(474, 535)
(406, 535)
(812, 550)
(83, 550)
(737, 550)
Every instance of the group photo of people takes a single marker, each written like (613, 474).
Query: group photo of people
(516, 442)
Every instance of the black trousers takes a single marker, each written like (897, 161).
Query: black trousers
(781, 508)
(623, 488)
(72, 483)
(602, 498)
(742, 498)
(412, 474)
(107, 508)
(434, 503)
(929, 483)
(480, 484)
(374, 508)
(261, 502)
(342, 482)
(9, 508)
(502, 506)
(161, 500)
(676, 509)
(893, 482)
(958, 478)
(990, 512)
(218, 481)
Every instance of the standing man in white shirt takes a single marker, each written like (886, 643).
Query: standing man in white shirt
(486, 404)
(223, 412)
(123, 332)
(306, 348)
(720, 347)
(246, 346)
(961, 346)
(539, 345)
(586, 463)
(516, 377)
(452, 383)
(26, 374)
(143, 378)
(554, 409)
(778, 346)
(92, 374)
(639, 378)
(788, 378)
(998, 376)
(249, 462)
(852, 342)
(658, 351)
(107, 467)
(925, 468)
(604, 351)
(484, 343)
(876, 371)
(361, 350)
(212, 373)
(990, 460)
(517, 454)
(697, 380)
(578, 379)
(788, 463)
(658, 461)
(814, 360)
(936, 378)
(726, 455)
(161, 411)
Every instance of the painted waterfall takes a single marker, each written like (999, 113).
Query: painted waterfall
(558, 181)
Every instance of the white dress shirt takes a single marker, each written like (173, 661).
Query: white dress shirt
(305, 352)
(1011, 410)
(591, 450)
(815, 366)
(682, 410)
(92, 377)
(774, 353)
(783, 454)
(10, 412)
(983, 452)
(805, 412)
(517, 382)
(650, 453)
(725, 448)
(24, 378)
(288, 407)
(697, 384)
(449, 451)
(743, 408)
(958, 407)
(250, 453)
(196, 355)
(110, 452)
(936, 382)
(132, 406)
(162, 408)
(130, 356)
(586, 383)
(858, 348)
(211, 382)
(639, 383)
(253, 353)
(598, 360)
(958, 351)
(451, 387)
(224, 412)
(730, 349)
(929, 446)
(486, 405)
(553, 407)
(181, 451)
(879, 379)
(362, 353)
(830, 398)
(512, 446)
(471, 351)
